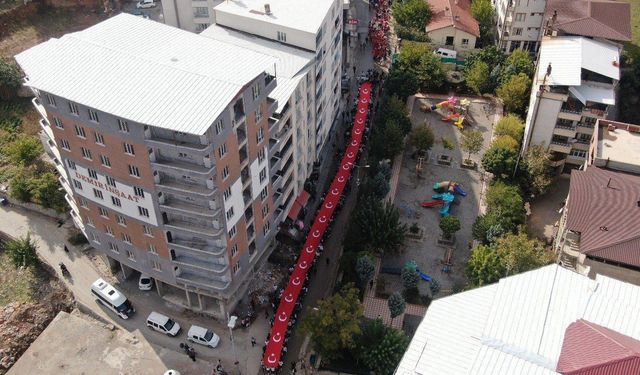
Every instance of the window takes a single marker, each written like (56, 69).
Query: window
(103, 212)
(128, 149)
(258, 115)
(134, 171)
(282, 37)
(263, 174)
(264, 192)
(123, 126)
(58, 123)
(110, 181)
(520, 17)
(97, 193)
(105, 161)
(517, 31)
(92, 173)
(201, 27)
(230, 213)
(131, 255)
(226, 194)
(93, 115)
(86, 153)
(265, 211)
(77, 184)
(199, 12)
(121, 220)
(222, 150)
(147, 231)
(94, 237)
(234, 250)
(152, 249)
(465, 42)
(236, 268)
(65, 144)
(255, 91)
(51, 100)
(90, 221)
(265, 228)
(225, 172)
(143, 211)
(232, 232)
(219, 127)
(116, 201)
(99, 138)
(260, 135)
(156, 266)
(126, 238)
(71, 164)
(80, 131)
(83, 203)
(109, 230)
(261, 155)
(113, 247)
(73, 108)
(138, 191)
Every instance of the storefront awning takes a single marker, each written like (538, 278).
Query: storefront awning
(299, 203)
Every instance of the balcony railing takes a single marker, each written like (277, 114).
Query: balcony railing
(182, 206)
(200, 263)
(194, 227)
(185, 186)
(272, 105)
(193, 146)
(202, 281)
(199, 246)
(182, 165)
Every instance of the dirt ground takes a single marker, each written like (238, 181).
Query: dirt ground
(542, 222)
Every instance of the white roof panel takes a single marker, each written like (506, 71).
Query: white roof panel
(145, 71)
(594, 94)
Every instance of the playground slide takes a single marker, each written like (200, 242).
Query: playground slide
(459, 190)
(459, 122)
(432, 203)
(424, 276)
(452, 116)
(444, 211)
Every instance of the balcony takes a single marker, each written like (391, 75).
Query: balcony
(272, 125)
(199, 263)
(277, 197)
(178, 165)
(562, 147)
(269, 80)
(276, 180)
(199, 246)
(202, 281)
(251, 233)
(248, 215)
(571, 244)
(585, 128)
(245, 176)
(582, 144)
(273, 143)
(184, 186)
(46, 128)
(568, 131)
(241, 135)
(576, 160)
(272, 105)
(595, 112)
(246, 198)
(569, 114)
(193, 227)
(284, 132)
(274, 162)
(181, 144)
(175, 205)
(243, 155)
(557, 159)
(39, 107)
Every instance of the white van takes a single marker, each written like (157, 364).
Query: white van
(448, 53)
(163, 324)
(203, 336)
(112, 298)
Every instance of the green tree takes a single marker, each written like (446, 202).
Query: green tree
(422, 138)
(537, 166)
(510, 125)
(414, 14)
(482, 11)
(518, 253)
(10, 78)
(477, 78)
(419, 60)
(381, 185)
(488, 227)
(410, 278)
(514, 92)
(379, 225)
(401, 83)
(490, 55)
(366, 269)
(484, 266)
(518, 62)
(25, 150)
(334, 324)
(507, 201)
(23, 251)
(629, 97)
(388, 142)
(471, 142)
(394, 109)
(20, 187)
(505, 141)
(500, 161)
(449, 225)
(381, 347)
(396, 305)
(48, 192)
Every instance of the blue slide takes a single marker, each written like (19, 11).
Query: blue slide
(459, 190)
(424, 276)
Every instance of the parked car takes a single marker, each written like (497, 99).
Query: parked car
(143, 4)
(145, 282)
(141, 14)
(162, 324)
(112, 298)
(448, 53)
(203, 336)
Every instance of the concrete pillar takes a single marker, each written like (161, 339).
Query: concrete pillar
(199, 301)
(188, 297)
(159, 287)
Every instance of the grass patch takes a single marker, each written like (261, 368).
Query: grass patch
(633, 48)
(17, 285)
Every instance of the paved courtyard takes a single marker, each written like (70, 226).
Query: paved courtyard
(412, 191)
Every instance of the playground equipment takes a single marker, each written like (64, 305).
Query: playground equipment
(450, 186)
(449, 103)
(447, 262)
(448, 198)
(432, 203)
(414, 266)
(419, 167)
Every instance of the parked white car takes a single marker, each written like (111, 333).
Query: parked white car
(162, 324)
(145, 4)
(203, 336)
(145, 282)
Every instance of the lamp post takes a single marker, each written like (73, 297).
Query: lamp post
(358, 175)
(232, 324)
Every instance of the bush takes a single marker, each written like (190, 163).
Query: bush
(434, 286)
(447, 143)
(414, 228)
(477, 78)
(500, 161)
(514, 93)
(77, 239)
(407, 33)
(418, 60)
(414, 14)
(422, 138)
(24, 150)
(507, 201)
(21, 187)
(23, 252)
(505, 141)
(401, 84)
(510, 125)
(449, 225)
(48, 192)
(410, 278)
(10, 78)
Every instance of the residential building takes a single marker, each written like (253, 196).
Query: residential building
(573, 87)
(163, 147)
(452, 26)
(519, 24)
(598, 232)
(547, 321)
(194, 16)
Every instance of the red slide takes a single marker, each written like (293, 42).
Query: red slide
(432, 203)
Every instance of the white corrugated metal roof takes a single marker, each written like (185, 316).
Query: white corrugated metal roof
(145, 71)
(517, 326)
(569, 54)
(594, 94)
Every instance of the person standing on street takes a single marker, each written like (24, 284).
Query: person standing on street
(253, 341)
(191, 353)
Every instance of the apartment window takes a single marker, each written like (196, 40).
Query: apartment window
(134, 171)
(222, 150)
(138, 191)
(156, 265)
(92, 173)
(260, 135)
(261, 155)
(517, 31)
(227, 193)
(131, 255)
(126, 238)
(264, 192)
(143, 211)
(116, 201)
(105, 161)
(219, 127)
(152, 249)
(265, 211)
(255, 91)
(94, 238)
(123, 126)
(465, 42)
(520, 17)
(93, 115)
(103, 212)
(65, 144)
(121, 220)
(83, 203)
(282, 37)
(109, 230)
(234, 250)
(89, 221)
(201, 27)
(232, 232)
(263, 174)
(86, 153)
(71, 164)
(80, 132)
(99, 138)
(73, 108)
(225, 172)
(258, 115)
(113, 247)
(266, 228)
(97, 193)
(147, 231)
(58, 123)
(110, 181)
(51, 100)
(77, 184)
(230, 213)
(236, 268)
(128, 149)
(199, 12)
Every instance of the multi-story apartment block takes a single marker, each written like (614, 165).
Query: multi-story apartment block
(190, 15)
(519, 24)
(163, 140)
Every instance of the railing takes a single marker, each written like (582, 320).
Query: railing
(199, 247)
(183, 165)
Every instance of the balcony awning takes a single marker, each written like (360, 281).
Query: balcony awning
(593, 94)
(298, 204)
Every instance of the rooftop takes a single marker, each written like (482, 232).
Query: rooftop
(306, 16)
(517, 325)
(455, 13)
(600, 18)
(618, 142)
(603, 207)
(145, 71)
(568, 55)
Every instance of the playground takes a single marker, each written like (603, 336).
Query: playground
(429, 189)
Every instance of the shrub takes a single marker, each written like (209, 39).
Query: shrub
(23, 251)
(447, 143)
(510, 125)
(449, 225)
(414, 14)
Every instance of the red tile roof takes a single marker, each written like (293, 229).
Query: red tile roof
(456, 13)
(607, 19)
(590, 349)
